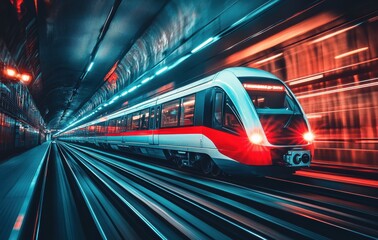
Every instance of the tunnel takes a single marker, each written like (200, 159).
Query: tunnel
(173, 119)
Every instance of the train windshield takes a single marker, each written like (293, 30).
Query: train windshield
(269, 95)
(279, 114)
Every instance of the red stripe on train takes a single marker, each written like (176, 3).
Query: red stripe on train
(237, 147)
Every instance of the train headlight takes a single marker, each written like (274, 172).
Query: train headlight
(256, 138)
(308, 136)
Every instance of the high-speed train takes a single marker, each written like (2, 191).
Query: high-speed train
(238, 121)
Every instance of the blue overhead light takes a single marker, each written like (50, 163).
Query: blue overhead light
(202, 45)
(179, 61)
(146, 80)
(90, 66)
(132, 89)
(99, 108)
(254, 13)
(106, 104)
(124, 93)
(161, 70)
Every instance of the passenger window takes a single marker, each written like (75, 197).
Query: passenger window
(144, 117)
(112, 126)
(119, 124)
(187, 111)
(169, 114)
(123, 125)
(231, 121)
(135, 121)
(128, 122)
(152, 117)
(218, 103)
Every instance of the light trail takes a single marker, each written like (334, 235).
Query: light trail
(338, 90)
(342, 179)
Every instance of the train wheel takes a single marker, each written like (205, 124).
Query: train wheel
(207, 165)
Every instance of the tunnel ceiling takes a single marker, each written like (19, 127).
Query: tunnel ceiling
(124, 37)
(72, 34)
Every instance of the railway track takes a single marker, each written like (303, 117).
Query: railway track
(129, 198)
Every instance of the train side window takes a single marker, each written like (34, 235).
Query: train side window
(112, 126)
(187, 111)
(152, 117)
(144, 117)
(170, 113)
(119, 124)
(218, 104)
(231, 120)
(135, 121)
(123, 124)
(128, 122)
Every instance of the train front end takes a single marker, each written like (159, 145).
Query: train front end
(286, 134)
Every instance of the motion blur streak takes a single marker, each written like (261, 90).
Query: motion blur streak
(288, 33)
(351, 52)
(333, 34)
(307, 79)
(343, 89)
(18, 223)
(358, 181)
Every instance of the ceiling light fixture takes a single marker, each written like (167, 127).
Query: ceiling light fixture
(161, 70)
(202, 45)
(90, 67)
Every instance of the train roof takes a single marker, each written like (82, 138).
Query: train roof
(249, 72)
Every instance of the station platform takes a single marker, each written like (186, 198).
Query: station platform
(18, 176)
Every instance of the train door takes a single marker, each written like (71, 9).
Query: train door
(153, 138)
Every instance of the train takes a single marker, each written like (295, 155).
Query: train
(238, 121)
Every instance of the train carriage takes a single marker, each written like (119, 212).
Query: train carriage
(239, 121)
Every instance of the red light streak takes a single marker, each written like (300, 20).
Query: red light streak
(351, 52)
(17, 4)
(349, 149)
(335, 178)
(373, 84)
(338, 111)
(333, 34)
(307, 79)
(288, 33)
(269, 58)
(367, 141)
(18, 223)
